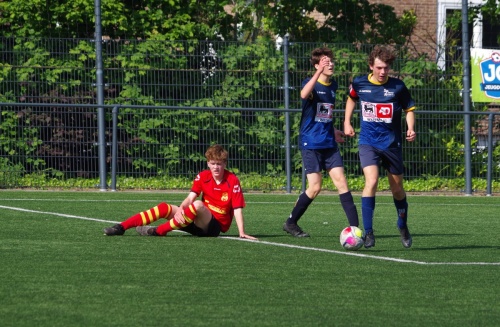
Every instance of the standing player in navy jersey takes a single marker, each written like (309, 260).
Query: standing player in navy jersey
(318, 142)
(382, 101)
(222, 199)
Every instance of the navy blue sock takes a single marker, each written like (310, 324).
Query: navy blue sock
(367, 210)
(402, 209)
(349, 208)
(300, 207)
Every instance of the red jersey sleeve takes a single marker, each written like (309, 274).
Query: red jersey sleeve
(197, 186)
(352, 93)
(238, 201)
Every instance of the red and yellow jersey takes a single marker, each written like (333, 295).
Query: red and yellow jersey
(221, 199)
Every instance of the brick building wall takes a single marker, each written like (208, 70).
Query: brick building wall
(424, 37)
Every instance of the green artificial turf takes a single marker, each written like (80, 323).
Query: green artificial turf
(58, 269)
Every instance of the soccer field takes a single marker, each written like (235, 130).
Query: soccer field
(58, 269)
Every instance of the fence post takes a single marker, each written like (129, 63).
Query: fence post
(490, 154)
(466, 96)
(114, 148)
(100, 97)
(287, 116)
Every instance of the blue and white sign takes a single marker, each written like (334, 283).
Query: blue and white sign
(485, 69)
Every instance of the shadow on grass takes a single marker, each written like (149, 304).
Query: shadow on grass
(458, 247)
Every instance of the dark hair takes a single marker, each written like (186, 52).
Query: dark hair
(385, 54)
(317, 53)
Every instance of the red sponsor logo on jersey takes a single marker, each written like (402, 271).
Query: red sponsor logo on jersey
(384, 110)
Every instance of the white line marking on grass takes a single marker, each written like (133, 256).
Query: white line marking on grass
(357, 254)
(354, 254)
(56, 214)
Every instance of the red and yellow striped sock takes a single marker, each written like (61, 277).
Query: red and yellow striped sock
(162, 210)
(189, 214)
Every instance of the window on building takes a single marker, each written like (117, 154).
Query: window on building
(483, 33)
(491, 34)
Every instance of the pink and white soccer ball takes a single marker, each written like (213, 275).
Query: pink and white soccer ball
(351, 238)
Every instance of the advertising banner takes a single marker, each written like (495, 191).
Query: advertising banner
(485, 70)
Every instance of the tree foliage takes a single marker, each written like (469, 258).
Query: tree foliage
(336, 21)
(154, 19)
(343, 21)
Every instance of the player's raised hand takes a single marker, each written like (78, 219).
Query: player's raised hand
(325, 63)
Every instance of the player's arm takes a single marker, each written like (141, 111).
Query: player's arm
(238, 216)
(187, 201)
(349, 110)
(410, 125)
(309, 87)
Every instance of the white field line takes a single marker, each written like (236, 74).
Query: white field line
(56, 214)
(354, 254)
(357, 254)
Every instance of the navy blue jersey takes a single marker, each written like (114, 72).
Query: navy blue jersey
(381, 110)
(316, 122)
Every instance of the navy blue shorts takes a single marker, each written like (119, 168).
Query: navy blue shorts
(213, 229)
(390, 159)
(318, 160)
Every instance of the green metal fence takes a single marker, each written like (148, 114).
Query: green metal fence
(173, 99)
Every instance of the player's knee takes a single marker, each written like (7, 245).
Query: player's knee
(198, 205)
(398, 192)
(371, 183)
(370, 188)
(340, 182)
(313, 192)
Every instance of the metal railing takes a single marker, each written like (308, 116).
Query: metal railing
(132, 152)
